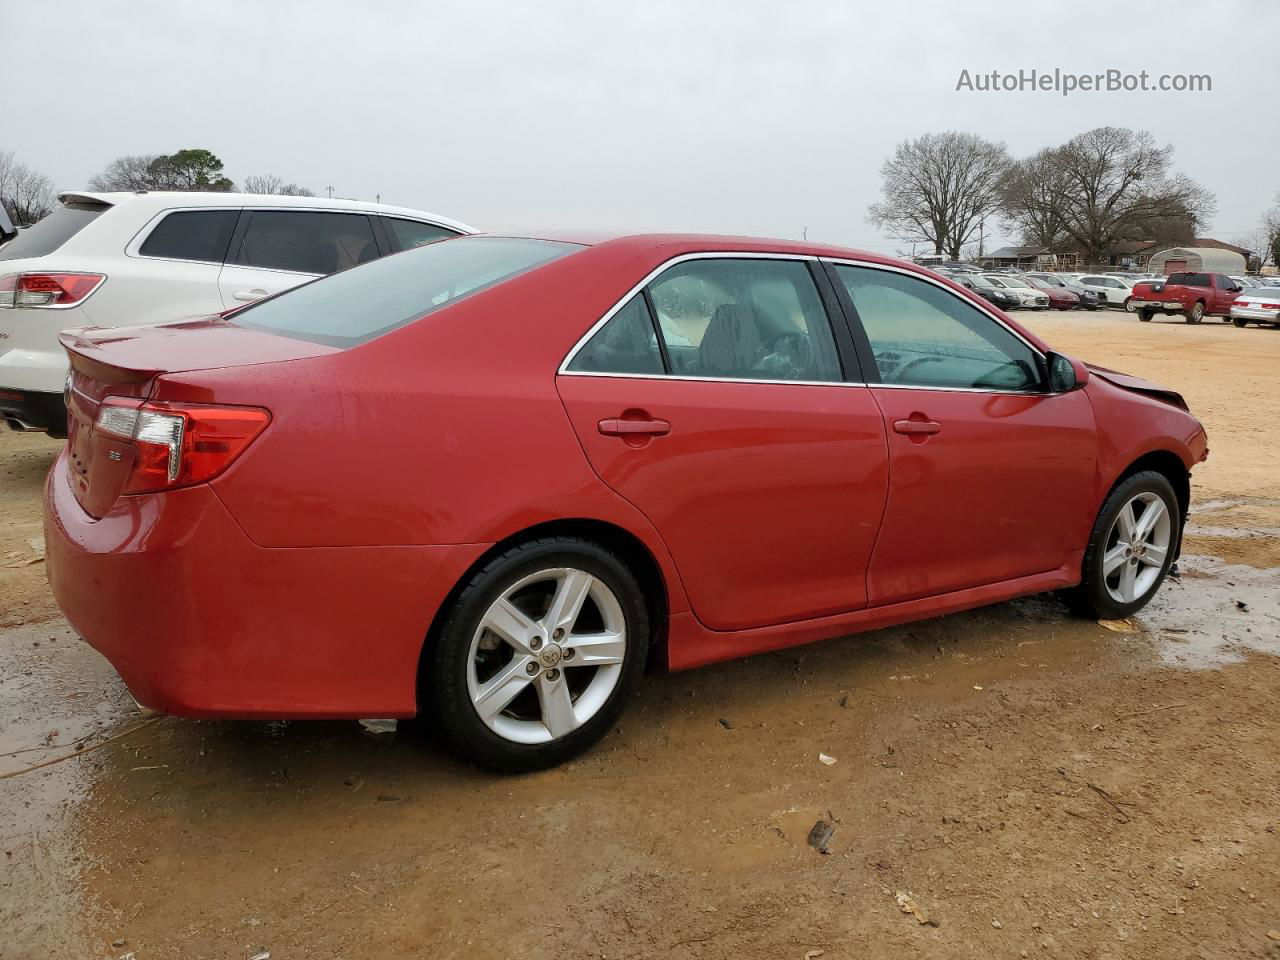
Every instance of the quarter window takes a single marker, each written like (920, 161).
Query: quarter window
(407, 234)
(192, 235)
(626, 344)
(744, 319)
(924, 336)
(306, 241)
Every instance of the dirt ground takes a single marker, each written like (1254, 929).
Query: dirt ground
(1029, 784)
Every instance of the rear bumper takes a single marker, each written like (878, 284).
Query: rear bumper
(1167, 306)
(30, 410)
(202, 622)
(1255, 313)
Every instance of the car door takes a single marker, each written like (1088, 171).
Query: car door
(1224, 294)
(991, 478)
(274, 250)
(171, 268)
(715, 400)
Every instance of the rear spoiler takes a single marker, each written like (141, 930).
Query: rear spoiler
(97, 199)
(81, 347)
(7, 230)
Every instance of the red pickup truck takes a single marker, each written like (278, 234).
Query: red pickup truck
(1191, 294)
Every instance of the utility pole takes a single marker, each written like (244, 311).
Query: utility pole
(804, 234)
(377, 198)
(330, 189)
(982, 230)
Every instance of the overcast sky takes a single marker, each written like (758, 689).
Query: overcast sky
(729, 117)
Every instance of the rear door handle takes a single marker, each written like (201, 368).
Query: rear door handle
(615, 427)
(249, 295)
(917, 427)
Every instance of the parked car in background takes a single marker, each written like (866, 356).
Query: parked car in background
(1060, 298)
(1089, 299)
(1000, 297)
(307, 508)
(1112, 291)
(1030, 297)
(1256, 305)
(114, 259)
(1193, 295)
(1246, 283)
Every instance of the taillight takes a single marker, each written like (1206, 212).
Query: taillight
(179, 444)
(47, 290)
(1240, 303)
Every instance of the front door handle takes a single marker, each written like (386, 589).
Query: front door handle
(917, 427)
(248, 296)
(615, 427)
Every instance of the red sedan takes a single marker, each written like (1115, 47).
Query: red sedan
(490, 478)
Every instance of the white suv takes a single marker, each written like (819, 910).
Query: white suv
(120, 259)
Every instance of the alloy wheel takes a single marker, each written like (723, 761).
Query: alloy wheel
(1136, 547)
(546, 655)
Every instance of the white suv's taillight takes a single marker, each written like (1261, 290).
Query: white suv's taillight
(47, 291)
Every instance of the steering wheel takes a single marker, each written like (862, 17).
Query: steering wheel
(903, 370)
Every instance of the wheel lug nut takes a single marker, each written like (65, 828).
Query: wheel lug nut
(558, 634)
(570, 653)
(553, 675)
(531, 669)
(535, 643)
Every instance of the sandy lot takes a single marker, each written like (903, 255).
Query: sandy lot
(1030, 784)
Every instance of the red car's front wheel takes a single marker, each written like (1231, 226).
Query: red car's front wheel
(1131, 547)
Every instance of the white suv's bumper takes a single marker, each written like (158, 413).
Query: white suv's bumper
(30, 356)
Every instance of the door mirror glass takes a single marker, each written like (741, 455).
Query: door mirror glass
(1065, 374)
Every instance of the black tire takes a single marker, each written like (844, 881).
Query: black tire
(1128, 305)
(1091, 598)
(444, 682)
(1196, 313)
(1239, 322)
(1146, 314)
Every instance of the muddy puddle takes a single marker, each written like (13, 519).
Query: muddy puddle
(222, 839)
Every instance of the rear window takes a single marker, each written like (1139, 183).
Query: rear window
(355, 306)
(53, 231)
(192, 235)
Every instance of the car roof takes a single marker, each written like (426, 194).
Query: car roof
(678, 243)
(168, 199)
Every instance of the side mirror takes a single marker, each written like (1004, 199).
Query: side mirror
(1065, 374)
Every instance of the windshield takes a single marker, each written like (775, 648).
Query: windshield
(364, 302)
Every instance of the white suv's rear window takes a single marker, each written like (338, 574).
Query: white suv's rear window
(364, 302)
(53, 231)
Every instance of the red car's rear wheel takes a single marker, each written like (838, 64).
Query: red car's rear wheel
(538, 654)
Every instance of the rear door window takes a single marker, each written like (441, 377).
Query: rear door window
(1197, 280)
(305, 241)
(407, 234)
(201, 235)
(53, 231)
(745, 319)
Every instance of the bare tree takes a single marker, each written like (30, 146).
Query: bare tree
(1033, 199)
(1119, 187)
(126, 173)
(1264, 242)
(271, 184)
(939, 188)
(28, 196)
